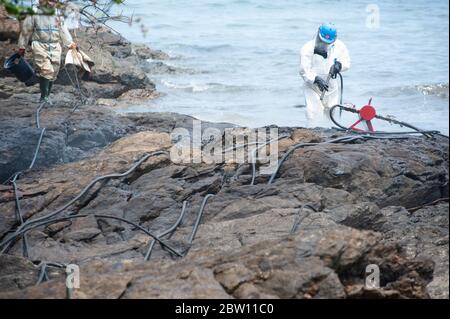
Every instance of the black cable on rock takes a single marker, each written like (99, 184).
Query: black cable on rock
(5, 243)
(301, 218)
(295, 147)
(13, 179)
(199, 217)
(169, 232)
(253, 160)
(415, 130)
(344, 139)
(66, 218)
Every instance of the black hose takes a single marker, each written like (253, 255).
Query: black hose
(16, 175)
(442, 135)
(344, 139)
(19, 216)
(43, 276)
(167, 232)
(301, 218)
(431, 132)
(199, 217)
(38, 111)
(91, 184)
(36, 152)
(253, 160)
(58, 220)
(295, 147)
(76, 85)
(85, 190)
(427, 133)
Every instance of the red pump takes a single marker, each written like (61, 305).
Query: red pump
(367, 113)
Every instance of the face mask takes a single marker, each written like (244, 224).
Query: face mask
(321, 48)
(48, 4)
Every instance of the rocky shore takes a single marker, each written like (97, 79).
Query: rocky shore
(333, 209)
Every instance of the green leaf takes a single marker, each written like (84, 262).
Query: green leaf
(11, 9)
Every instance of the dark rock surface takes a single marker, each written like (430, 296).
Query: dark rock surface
(9, 28)
(332, 210)
(245, 246)
(385, 173)
(73, 135)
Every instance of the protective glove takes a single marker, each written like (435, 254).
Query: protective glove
(321, 83)
(336, 69)
(21, 52)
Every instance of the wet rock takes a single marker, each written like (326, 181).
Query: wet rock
(422, 233)
(16, 273)
(159, 67)
(82, 234)
(138, 95)
(114, 63)
(246, 246)
(235, 221)
(70, 135)
(324, 260)
(53, 229)
(386, 173)
(117, 69)
(144, 52)
(9, 28)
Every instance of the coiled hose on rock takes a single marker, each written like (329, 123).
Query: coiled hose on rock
(341, 106)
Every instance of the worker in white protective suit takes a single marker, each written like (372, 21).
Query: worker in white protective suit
(321, 59)
(46, 32)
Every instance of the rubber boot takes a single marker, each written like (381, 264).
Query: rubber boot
(43, 86)
(50, 85)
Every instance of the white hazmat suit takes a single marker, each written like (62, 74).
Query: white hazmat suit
(312, 65)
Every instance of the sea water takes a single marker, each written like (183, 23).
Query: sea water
(238, 60)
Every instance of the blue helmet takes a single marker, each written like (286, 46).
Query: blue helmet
(327, 33)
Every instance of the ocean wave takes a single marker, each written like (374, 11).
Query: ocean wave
(158, 67)
(223, 117)
(162, 26)
(198, 88)
(436, 89)
(238, 25)
(203, 48)
(185, 87)
(216, 5)
(439, 89)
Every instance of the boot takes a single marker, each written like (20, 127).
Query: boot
(50, 85)
(44, 86)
